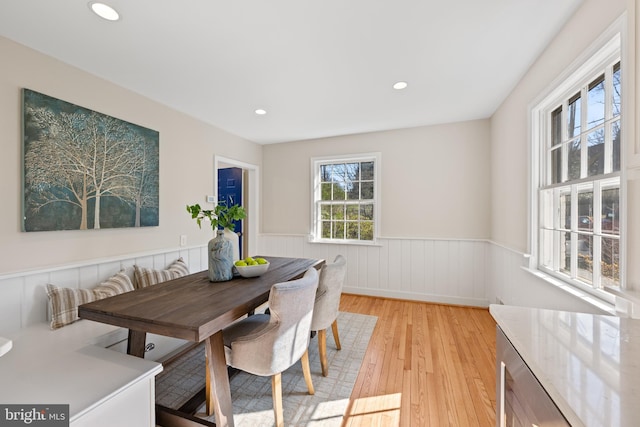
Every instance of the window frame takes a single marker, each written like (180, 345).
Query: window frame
(590, 66)
(315, 235)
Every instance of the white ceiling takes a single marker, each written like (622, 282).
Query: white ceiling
(320, 68)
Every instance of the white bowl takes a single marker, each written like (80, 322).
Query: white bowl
(252, 270)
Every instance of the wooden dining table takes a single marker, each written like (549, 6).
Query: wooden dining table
(195, 309)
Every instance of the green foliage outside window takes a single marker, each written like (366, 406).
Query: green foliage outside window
(346, 203)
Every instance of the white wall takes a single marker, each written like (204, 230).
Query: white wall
(509, 124)
(510, 146)
(187, 149)
(461, 181)
(435, 193)
(435, 180)
(456, 185)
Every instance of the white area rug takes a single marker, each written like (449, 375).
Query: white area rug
(251, 395)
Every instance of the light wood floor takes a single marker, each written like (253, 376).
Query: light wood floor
(426, 365)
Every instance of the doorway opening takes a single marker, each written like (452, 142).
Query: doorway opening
(236, 182)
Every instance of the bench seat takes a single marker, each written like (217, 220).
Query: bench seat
(82, 364)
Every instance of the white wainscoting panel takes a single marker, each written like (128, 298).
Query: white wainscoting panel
(11, 302)
(509, 282)
(23, 299)
(435, 270)
(451, 271)
(465, 272)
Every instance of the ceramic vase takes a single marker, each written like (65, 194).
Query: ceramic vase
(220, 258)
(235, 242)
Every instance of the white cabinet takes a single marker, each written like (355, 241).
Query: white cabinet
(103, 388)
(132, 407)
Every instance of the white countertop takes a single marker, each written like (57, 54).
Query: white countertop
(588, 364)
(68, 366)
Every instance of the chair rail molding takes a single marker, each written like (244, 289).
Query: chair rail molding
(471, 272)
(23, 299)
(448, 271)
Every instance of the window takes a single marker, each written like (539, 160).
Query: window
(346, 198)
(578, 187)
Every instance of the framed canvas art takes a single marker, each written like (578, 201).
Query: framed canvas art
(86, 170)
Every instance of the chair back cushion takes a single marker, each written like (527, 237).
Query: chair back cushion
(328, 295)
(271, 348)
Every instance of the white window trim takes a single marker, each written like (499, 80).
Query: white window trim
(606, 48)
(315, 189)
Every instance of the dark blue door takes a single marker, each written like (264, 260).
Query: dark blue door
(230, 193)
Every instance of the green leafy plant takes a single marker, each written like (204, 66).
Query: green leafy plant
(221, 216)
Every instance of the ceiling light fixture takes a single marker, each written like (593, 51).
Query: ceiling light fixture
(104, 11)
(261, 112)
(400, 85)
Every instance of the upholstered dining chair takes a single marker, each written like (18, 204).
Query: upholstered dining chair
(268, 344)
(325, 311)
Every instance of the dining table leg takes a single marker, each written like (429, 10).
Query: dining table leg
(136, 343)
(218, 389)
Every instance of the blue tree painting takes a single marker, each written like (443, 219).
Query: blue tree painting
(86, 170)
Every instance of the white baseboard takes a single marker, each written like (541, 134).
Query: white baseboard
(448, 271)
(412, 296)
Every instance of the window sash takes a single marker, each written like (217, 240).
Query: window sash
(559, 249)
(345, 205)
(565, 233)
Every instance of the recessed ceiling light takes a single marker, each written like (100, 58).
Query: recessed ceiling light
(261, 112)
(400, 85)
(104, 11)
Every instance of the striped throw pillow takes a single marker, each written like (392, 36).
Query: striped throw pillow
(145, 277)
(117, 284)
(64, 302)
